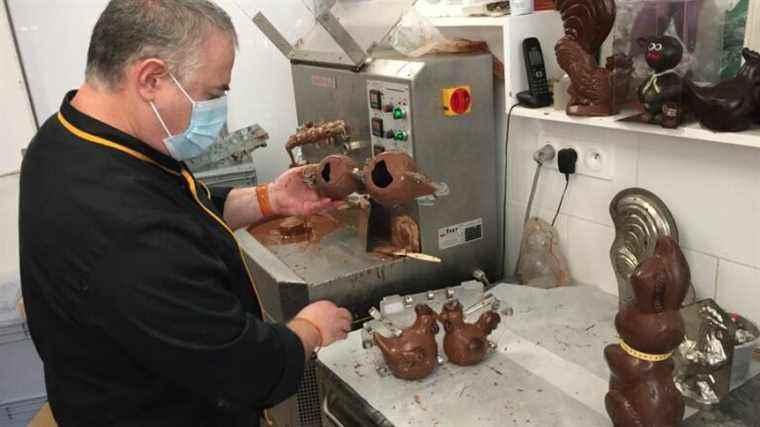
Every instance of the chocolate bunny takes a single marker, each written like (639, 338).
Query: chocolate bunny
(642, 392)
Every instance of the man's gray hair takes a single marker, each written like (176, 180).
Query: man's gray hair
(170, 30)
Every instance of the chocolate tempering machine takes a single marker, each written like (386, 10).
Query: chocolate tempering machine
(440, 111)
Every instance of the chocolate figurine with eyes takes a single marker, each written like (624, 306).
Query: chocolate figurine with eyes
(642, 392)
(414, 354)
(663, 90)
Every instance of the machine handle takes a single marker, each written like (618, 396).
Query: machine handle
(328, 413)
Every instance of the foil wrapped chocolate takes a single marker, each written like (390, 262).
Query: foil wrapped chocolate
(705, 356)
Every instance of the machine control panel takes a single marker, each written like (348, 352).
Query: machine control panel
(390, 116)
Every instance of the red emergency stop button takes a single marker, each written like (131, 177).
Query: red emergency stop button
(457, 100)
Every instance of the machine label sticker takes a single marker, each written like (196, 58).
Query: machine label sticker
(460, 234)
(323, 81)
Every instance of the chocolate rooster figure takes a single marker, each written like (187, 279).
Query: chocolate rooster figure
(665, 86)
(642, 393)
(732, 105)
(465, 344)
(594, 91)
(414, 354)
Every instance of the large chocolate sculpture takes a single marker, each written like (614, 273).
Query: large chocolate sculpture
(732, 105)
(642, 392)
(594, 91)
(641, 219)
(465, 344)
(414, 354)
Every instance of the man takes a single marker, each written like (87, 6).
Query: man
(138, 299)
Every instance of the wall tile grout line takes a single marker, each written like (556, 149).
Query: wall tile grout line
(717, 276)
(741, 264)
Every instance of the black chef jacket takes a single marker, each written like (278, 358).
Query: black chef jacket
(138, 300)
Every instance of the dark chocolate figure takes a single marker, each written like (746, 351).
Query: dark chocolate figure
(642, 392)
(732, 105)
(594, 91)
(465, 344)
(414, 354)
(665, 86)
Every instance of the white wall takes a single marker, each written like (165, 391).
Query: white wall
(753, 25)
(54, 35)
(14, 108)
(9, 258)
(713, 190)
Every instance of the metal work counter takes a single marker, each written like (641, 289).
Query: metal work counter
(548, 370)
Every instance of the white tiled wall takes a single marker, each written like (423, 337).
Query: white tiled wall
(713, 190)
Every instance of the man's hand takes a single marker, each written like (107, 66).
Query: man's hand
(289, 195)
(321, 323)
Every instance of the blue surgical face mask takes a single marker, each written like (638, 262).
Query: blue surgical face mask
(206, 122)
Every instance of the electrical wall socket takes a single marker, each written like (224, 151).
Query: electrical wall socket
(595, 159)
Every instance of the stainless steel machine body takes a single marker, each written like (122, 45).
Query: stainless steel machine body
(462, 227)
(439, 110)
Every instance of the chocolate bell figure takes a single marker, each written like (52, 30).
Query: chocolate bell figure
(594, 90)
(732, 105)
(414, 354)
(465, 344)
(642, 392)
(664, 86)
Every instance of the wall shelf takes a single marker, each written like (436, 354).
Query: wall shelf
(694, 131)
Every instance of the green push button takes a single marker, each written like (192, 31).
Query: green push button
(400, 136)
(399, 113)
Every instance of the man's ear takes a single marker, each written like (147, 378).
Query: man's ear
(147, 76)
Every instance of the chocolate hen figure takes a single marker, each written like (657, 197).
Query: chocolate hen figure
(642, 393)
(414, 354)
(595, 90)
(732, 105)
(465, 344)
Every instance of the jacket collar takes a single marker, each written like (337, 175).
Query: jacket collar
(95, 127)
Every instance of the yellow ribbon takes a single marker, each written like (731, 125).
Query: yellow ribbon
(644, 356)
(653, 81)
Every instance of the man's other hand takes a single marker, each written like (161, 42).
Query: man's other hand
(333, 322)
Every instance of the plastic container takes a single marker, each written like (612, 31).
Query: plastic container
(520, 7)
(743, 352)
(22, 383)
(21, 412)
(10, 293)
(233, 176)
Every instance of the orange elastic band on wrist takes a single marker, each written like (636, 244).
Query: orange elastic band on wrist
(316, 328)
(262, 195)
